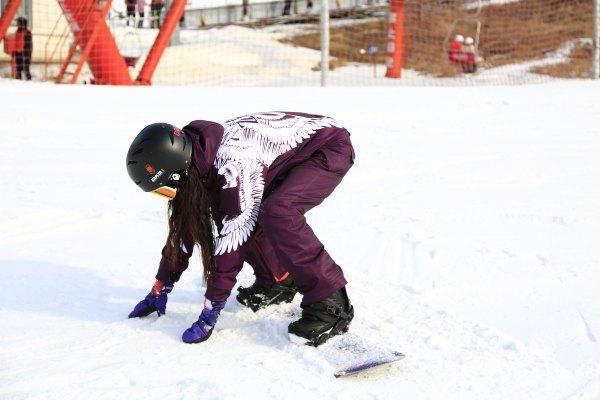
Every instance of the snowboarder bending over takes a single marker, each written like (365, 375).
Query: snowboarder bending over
(254, 178)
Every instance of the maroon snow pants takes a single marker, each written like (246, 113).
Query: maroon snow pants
(284, 242)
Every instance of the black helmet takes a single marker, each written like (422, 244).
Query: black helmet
(159, 156)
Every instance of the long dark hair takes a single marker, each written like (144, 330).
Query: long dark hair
(190, 218)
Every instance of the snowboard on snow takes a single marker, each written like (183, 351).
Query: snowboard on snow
(350, 354)
(370, 365)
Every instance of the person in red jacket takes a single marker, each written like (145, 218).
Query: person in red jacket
(455, 50)
(22, 50)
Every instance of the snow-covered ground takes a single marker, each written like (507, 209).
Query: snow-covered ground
(468, 229)
(478, 4)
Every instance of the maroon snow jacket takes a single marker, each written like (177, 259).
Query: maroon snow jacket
(243, 160)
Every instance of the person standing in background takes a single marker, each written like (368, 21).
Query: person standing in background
(245, 16)
(140, 4)
(23, 49)
(287, 7)
(155, 10)
(130, 5)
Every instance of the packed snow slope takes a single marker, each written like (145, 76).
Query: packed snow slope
(469, 231)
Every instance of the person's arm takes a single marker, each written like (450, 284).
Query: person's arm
(171, 268)
(223, 278)
(239, 204)
(169, 272)
(238, 207)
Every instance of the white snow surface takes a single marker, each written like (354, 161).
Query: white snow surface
(468, 230)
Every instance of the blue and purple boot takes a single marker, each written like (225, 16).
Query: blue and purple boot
(202, 329)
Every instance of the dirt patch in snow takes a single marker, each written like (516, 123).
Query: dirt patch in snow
(510, 33)
(576, 66)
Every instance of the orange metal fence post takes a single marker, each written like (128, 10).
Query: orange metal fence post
(105, 60)
(85, 53)
(75, 28)
(8, 14)
(167, 29)
(395, 45)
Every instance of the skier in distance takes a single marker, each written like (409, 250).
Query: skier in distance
(239, 190)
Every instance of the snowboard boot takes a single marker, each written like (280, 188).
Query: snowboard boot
(323, 320)
(261, 295)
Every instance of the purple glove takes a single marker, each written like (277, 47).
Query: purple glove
(201, 329)
(156, 300)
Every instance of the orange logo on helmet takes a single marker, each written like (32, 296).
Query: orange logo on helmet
(150, 169)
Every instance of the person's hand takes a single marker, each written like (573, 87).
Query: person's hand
(156, 300)
(202, 329)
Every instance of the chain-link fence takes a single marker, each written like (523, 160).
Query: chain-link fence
(274, 43)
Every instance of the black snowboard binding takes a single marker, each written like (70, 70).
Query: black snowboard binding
(322, 320)
(261, 295)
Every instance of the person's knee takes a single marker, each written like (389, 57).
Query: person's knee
(338, 157)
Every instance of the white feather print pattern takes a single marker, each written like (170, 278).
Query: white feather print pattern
(230, 173)
(237, 229)
(251, 143)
